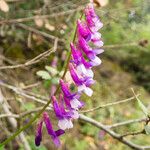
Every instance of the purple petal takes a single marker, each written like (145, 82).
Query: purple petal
(92, 19)
(86, 48)
(83, 30)
(89, 81)
(38, 136)
(98, 51)
(59, 132)
(74, 75)
(65, 88)
(56, 141)
(57, 108)
(50, 130)
(48, 124)
(76, 54)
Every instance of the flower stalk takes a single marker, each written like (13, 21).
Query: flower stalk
(80, 61)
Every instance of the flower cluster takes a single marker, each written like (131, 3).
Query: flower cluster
(84, 56)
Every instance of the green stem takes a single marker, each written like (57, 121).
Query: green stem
(43, 109)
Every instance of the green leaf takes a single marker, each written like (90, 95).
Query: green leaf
(55, 80)
(44, 75)
(147, 129)
(51, 70)
(143, 108)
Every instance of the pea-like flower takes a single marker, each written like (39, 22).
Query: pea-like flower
(54, 134)
(82, 83)
(64, 116)
(71, 99)
(92, 19)
(82, 67)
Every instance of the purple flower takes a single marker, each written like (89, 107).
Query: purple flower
(83, 83)
(65, 117)
(90, 53)
(83, 30)
(79, 60)
(92, 19)
(38, 136)
(54, 134)
(96, 39)
(71, 100)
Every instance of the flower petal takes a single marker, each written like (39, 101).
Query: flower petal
(38, 136)
(65, 124)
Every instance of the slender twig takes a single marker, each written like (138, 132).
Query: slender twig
(44, 34)
(23, 114)
(127, 122)
(112, 133)
(28, 63)
(22, 93)
(42, 16)
(133, 133)
(109, 104)
(31, 85)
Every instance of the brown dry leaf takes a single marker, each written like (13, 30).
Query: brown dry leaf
(4, 6)
(39, 22)
(48, 26)
(101, 3)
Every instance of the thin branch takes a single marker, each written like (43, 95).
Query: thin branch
(22, 93)
(30, 62)
(133, 133)
(112, 133)
(31, 85)
(44, 34)
(127, 122)
(42, 16)
(23, 114)
(109, 104)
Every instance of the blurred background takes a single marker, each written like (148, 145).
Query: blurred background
(30, 28)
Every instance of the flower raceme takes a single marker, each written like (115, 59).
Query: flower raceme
(83, 57)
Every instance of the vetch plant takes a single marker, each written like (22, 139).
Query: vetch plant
(83, 57)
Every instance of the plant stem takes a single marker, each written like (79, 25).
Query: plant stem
(43, 109)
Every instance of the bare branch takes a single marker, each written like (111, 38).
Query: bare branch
(127, 122)
(109, 104)
(31, 62)
(133, 133)
(44, 34)
(112, 133)
(22, 93)
(42, 16)
(23, 114)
